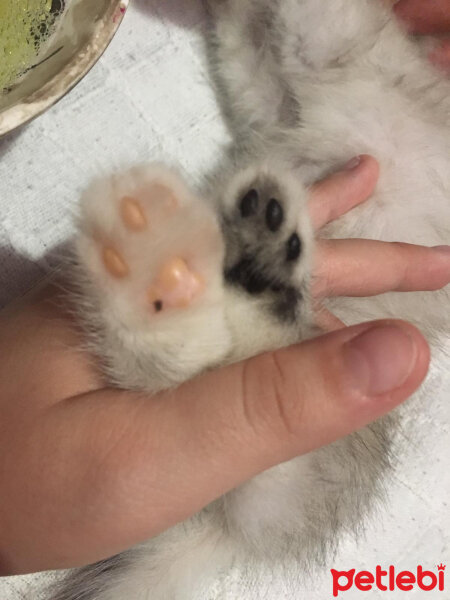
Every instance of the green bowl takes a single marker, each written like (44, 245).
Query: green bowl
(84, 32)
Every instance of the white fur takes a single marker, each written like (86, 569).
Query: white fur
(307, 84)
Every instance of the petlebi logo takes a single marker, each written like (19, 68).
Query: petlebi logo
(388, 580)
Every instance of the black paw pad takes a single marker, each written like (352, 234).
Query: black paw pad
(246, 274)
(274, 215)
(294, 247)
(249, 204)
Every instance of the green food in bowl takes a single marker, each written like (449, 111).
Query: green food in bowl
(76, 33)
(24, 26)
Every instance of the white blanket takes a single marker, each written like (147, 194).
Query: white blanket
(149, 98)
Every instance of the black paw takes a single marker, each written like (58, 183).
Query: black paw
(264, 247)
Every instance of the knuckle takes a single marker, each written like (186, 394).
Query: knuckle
(271, 399)
(400, 266)
(323, 279)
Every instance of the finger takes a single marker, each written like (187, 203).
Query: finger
(326, 320)
(138, 465)
(441, 56)
(430, 17)
(339, 193)
(366, 268)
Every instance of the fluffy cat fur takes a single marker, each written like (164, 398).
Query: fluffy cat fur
(306, 85)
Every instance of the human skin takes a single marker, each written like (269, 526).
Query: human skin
(87, 471)
(425, 17)
(428, 17)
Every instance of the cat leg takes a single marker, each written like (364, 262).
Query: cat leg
(300, 509)
(259, 45)
(269, 249)
(312, 35)
(251, 89)
(149, 272)
(180, 564)
(352, 43)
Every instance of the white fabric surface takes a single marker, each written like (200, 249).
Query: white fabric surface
(149, 98)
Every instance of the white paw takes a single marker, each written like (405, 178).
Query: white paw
(152, 256)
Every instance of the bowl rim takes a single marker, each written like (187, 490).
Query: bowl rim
(33, 105)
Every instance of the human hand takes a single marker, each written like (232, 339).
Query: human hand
(87, 471)
(355, 267)
(429, 17)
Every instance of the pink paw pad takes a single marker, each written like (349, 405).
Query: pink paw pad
(176, 286)
(114, 263)
(133, 215)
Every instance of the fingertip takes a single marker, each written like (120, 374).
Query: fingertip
(352, 185)
(388, 361)
(371, 164)
(370, 168)
(437, 268)
(419, 370)
(340, 382)
(365, 165)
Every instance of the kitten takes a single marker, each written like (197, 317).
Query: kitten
(171, 284)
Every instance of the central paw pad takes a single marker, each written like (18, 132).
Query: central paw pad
(175, 287)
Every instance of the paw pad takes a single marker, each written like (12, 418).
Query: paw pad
(294, 247)
(265, 245)
(151, 246)
(114, 263)
(176, 286)
(274, 215)
(132, 214)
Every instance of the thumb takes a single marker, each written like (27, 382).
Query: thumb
(139, 465)
(254, 415)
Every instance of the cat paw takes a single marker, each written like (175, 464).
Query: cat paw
(269, 239)
(151, 259)
(147, 239)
